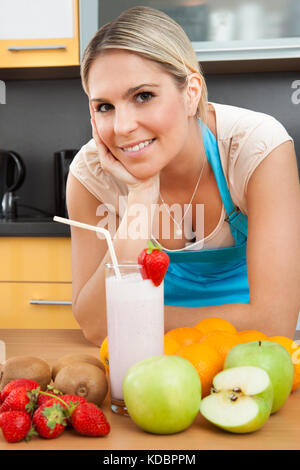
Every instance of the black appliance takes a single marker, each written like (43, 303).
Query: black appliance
(12, 175)
(62, 161)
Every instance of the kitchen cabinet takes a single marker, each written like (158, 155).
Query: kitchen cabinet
(39, 33)
(252, 33)
(248, 30)
(36, 283)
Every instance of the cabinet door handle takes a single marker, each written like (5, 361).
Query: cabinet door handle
(34, 48)
(250, 48)
(50, 302)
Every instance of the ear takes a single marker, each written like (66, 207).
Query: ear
(193, 93)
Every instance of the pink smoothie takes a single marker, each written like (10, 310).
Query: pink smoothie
(135, 321)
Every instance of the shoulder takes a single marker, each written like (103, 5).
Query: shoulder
(245, 139)
(233, 122)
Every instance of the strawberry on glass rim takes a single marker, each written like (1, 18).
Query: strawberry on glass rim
(154, 262)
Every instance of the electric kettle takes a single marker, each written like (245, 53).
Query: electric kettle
(12, 175)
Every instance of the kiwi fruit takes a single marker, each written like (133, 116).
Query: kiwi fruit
(26, 367)
(71, 358)
(83, 379)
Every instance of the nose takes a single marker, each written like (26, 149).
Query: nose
(125, 121)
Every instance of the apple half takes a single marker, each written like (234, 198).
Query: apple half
(240, 401)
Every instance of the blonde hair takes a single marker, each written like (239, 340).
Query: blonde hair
(155, 36)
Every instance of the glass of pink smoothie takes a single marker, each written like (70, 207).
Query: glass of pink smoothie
(135, 324)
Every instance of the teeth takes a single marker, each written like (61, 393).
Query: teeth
(139, 146)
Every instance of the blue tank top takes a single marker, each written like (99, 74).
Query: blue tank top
(198, 278)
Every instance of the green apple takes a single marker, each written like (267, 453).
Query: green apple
(240, 400)
(273, 358)
(162, 394)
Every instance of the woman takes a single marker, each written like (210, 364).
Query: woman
(157, 140)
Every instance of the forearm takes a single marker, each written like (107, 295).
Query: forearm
(90, 307)
(243, 316)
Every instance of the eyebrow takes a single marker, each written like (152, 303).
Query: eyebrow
(129, 91)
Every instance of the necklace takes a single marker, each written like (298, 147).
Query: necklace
(178, 225)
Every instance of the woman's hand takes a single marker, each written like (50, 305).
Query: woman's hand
(114, 167)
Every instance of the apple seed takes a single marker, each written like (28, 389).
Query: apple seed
(233, 397)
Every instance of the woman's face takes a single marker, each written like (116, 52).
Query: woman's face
(135, 103)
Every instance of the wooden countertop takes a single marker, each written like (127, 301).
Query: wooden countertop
(281, 431)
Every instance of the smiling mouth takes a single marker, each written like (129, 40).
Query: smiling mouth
(138, 147)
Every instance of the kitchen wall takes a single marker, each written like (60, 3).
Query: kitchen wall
(43, 116)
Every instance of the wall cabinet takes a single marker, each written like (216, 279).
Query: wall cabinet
(39, 33)
(222, 31)
(54, 33)
(36, 283)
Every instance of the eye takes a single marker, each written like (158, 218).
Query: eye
(144, 96)
(103, 108)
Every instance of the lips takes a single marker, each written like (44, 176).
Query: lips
(138, 147)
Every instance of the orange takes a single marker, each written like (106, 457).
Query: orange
(246, 336)
(206, 360)
(222, 341)
(214, 323)
(293, 349)
(170, 345)
(104, 354)
(185, 335)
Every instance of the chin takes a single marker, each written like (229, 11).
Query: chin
(143, 173)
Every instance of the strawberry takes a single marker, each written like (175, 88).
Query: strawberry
(155, 263)
(44, 398)
(30, 384)
(89, 420)
(49, 419)
(73, 399)
(16, 426)
(19, 399)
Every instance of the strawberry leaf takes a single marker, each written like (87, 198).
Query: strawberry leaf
(32, 432)
(32, 404)
(153, 246)
(55, 414)
(50, 388)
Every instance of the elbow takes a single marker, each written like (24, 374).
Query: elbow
(276, 319)
(89, 329)
(91, 337)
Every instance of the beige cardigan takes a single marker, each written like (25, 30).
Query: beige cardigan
(245, 138)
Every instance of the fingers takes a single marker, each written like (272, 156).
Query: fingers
(106, 158)
(94, 127)
(95, 132)
(92, 111)
(109, 163)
